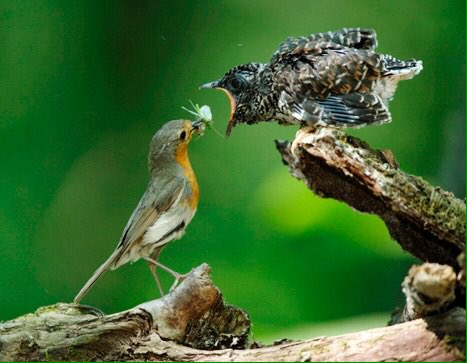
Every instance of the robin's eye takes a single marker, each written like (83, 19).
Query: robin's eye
(183, 135)
(237, 83)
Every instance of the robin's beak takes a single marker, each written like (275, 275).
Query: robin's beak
(233, 104)
(198, 126)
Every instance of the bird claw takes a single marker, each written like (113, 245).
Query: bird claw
(178, 278)
(87, 309)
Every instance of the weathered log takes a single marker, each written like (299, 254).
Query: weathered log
(194, 316)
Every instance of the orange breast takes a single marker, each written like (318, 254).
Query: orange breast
(182, 159)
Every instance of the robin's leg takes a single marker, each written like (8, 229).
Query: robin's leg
(153, 268)
(178, 277)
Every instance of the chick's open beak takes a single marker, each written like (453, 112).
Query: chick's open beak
(233, 105)
(232, 101)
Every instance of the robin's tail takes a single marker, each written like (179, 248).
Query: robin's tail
(103, 268)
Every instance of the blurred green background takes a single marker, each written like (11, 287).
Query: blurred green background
(85, 84)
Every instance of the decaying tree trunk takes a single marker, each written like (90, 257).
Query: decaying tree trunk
(193, 323)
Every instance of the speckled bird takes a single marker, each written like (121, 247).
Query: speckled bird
(326, 79)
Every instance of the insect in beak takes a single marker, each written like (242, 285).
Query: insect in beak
(203, 118)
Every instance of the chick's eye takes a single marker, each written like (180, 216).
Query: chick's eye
(183, 135)
(237, 83)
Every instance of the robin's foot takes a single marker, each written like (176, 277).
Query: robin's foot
(178, 277)
(86, 309)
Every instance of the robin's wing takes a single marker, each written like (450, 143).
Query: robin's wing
(348, 37)
(158, 198)
(150, 207)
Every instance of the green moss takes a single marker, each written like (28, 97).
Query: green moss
(455, 345)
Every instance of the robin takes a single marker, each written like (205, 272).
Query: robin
(326, 79)
(165, 209)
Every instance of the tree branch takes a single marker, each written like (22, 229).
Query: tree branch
(194, 315)
(426, 221)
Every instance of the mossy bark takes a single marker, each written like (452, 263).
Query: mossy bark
(425, 220)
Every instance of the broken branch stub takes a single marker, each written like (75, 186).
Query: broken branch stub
(194, 314)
